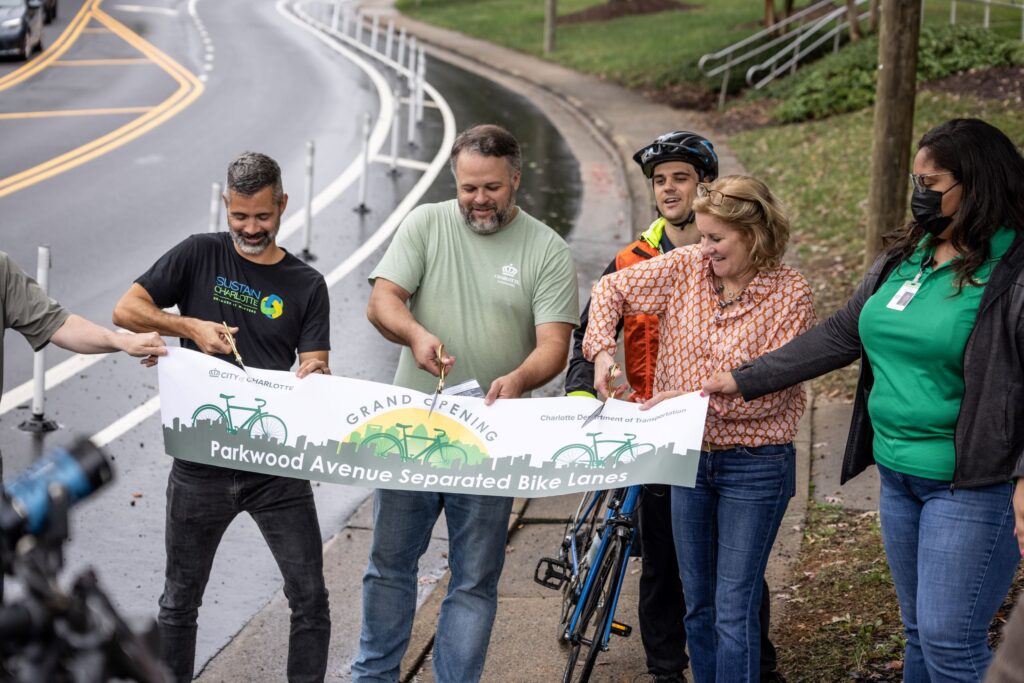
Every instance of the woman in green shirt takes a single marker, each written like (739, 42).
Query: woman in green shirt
(938, 325)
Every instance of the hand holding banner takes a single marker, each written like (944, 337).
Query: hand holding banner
(350, 431)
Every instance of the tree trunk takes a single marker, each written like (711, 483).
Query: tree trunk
(873, 22)
(851, 17)
(550, 20)
(769, 13)
(894, 121)
(788, 12)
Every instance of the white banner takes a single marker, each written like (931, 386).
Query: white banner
(351, 431)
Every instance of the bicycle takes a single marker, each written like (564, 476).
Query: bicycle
(260, 424)
(589, 571)
(579, 453)
(439, 451)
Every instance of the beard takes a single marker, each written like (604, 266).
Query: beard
(267, 238)
(493, 223)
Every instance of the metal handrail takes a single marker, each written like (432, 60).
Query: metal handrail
(795, 42)
(800, 48)
(771, 30)
(988, 5)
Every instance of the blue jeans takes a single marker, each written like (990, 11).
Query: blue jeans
(724, 529)
(952, 556)
(477, 533)
(201, 502)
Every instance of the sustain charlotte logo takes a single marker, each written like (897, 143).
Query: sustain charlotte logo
(247, 298)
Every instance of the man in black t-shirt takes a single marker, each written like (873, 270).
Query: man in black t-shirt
(276, 306)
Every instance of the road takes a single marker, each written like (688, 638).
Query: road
(213, 78)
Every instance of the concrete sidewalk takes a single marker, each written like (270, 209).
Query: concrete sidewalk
(603, 124)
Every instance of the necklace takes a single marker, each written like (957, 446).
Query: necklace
(727, 299)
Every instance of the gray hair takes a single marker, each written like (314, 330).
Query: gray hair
(251, 172)
(490, 141)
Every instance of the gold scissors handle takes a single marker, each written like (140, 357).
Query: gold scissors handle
(441, 367)
(231, 341)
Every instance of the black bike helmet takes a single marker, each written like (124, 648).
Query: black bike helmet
(680, 145)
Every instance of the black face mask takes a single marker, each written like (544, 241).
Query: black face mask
(926, 207)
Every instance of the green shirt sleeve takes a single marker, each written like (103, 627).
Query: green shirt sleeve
(556, 298)
(404, 262)
(26, 307)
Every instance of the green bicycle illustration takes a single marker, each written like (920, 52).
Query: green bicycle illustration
(260, 424)
(438, 451)
(590, 456)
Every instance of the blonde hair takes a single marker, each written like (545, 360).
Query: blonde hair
(749, 207)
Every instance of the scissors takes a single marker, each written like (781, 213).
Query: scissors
(613, 372)
(439, 359)
(234, 349)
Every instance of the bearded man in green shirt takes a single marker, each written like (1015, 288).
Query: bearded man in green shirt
(498, 289)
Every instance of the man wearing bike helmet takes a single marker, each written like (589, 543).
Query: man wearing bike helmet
(675, 162)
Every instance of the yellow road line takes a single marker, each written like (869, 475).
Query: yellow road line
(101, 62)
(59, 47)
(189, 89)
(8, 116)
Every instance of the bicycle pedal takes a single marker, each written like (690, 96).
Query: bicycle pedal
(555, 573)
(622, 630)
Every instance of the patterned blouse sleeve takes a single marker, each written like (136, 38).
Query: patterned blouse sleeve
(796, 316)
(646, 287)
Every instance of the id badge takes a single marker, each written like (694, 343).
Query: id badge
(904, 296)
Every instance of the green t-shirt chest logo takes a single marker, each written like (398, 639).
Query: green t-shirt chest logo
(509, 276)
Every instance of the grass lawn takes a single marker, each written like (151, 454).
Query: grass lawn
(650, 51)
(644, 50)
(820, 170)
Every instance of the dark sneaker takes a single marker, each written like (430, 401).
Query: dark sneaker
(670, 678)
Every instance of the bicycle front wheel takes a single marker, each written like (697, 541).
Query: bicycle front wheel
(269, 427)
(587, 639)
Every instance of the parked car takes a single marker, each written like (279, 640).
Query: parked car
(21, 27)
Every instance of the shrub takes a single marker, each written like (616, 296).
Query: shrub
(845, 81)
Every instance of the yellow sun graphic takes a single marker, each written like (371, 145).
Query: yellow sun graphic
(408, 433)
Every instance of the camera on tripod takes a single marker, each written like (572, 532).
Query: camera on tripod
(52, 635)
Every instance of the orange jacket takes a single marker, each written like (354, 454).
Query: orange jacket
(639, 332)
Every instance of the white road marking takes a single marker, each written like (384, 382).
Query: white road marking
(166, 11)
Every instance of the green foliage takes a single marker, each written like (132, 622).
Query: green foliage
(846, 81)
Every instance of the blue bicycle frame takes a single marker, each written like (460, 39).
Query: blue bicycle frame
(615, 518)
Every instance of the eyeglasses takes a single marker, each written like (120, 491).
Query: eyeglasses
(918, 178)
(715, 197)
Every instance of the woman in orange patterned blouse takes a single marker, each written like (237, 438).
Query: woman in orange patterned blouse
(721, 303)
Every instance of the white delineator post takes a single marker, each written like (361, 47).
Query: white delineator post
(216, 198)
(362, 207)
(374, 32)
(307, 252)
(389, 39)
(421, 77)
(401, 47)
(38, 422)
(394, 134)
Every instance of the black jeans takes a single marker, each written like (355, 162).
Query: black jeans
(661, 626)
(201, 502)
